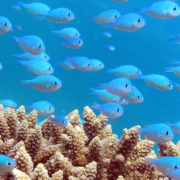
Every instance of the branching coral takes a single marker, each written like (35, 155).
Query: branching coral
(76, 152)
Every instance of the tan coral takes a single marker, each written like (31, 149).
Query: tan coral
(40, 173)
(20, 175)
(32, 119)
(74, 118)
(57, 175)
(21, 113)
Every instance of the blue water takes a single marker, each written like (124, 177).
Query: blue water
(148, 48)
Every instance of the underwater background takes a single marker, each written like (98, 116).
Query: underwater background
(148, 49)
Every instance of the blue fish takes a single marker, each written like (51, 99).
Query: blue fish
(163, 10)
(31, 44)
(26, 56)
(7, 164)
(110, 47)
(1, 66)
(37, 67)
(175, 175)
(106, 17)
(66, 65)
(108, 97)
(80, 62)
(159, 133)
(166, 164)
(16, 7)
(120, 1)
(118, 86)
(43, 108)
(96, 65)
(5, 25)
(60, 15)
(45, 83)
(8, 103)
(158, 81)
(107, 34)
(134, 96)
(68, 33)
(74, 43)
(60, 121)
(111, 110)
(129, 22)
(128, 71)
(36, 8)
(175, 127)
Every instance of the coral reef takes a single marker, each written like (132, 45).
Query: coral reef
(76, 152)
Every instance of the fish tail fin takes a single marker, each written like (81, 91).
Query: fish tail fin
(95, 106)
(141, 77)
(150, 161)
(169, 124)
(15, 55)
(54, 31)
(15, 6)
(25, 82)
(168, 69)
(43, 16)
(16, 39)
(20, 62)
(21, 3)
(17, 28)
(176, 63)
(93, 90)
(102, 85)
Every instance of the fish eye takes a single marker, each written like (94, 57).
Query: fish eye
(69, 14)
(121, 99)
(116, 16)
(89, 65)
(118, 110)
(49, 68)
(79, 42)
(9, 163)
(5, 24)
(167, 132)
(55, 83)
(45, 57)
(169, 85)
(174, 9)
(175, 167)
(99, 64)
(49, 107)
(40, 46)
(126, 85)
(139, 20)
(138, 97)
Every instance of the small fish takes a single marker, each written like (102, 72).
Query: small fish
(163, 10)
(1, 66)
(60, 121)
(118, 86)
(7, 164)
(8, 103)
(107, 34)
(166, 164)
(43, 108)
(26, 56)
(5, 25)
(177, 85)
(174, 37)
(111, 47)
(36, 8)
(175, 127)
(96, 65)
(111, 110)
(158, 81)
(17, 28)
(60, 15)
(176, 63)
(37, 67)
(68, 33)
(66, 65)
(174, 70)
(175, 175)
(74, 43)
(120, 1)
(108, 97)
(80, 62)
(106, 17)
(31, 44)
(45, 83)
(134, 96)
(159, 133)
(129, 22)
(128, 71)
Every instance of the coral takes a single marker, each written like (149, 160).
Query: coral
(77, 152)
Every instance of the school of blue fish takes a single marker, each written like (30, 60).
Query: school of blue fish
(116, 93)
